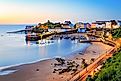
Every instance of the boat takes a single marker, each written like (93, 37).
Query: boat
(45, 42)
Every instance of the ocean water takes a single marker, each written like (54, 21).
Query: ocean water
(15, 50)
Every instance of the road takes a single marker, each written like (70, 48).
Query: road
(82, 75)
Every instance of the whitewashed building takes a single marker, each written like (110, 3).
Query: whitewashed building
(119, 23)
(108, 25)
(100, 24)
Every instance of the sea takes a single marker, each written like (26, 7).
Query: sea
(15, 50)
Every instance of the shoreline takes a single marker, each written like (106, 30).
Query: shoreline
(44, 59)
(37, 71)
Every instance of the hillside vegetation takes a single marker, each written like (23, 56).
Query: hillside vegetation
(111, 70)
(117, 33)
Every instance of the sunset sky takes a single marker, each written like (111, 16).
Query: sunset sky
(34, 11)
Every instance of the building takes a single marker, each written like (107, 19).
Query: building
(100, 24)
(119, 23)
(67, 24)
(108, 24)
(81, 30)
(70, 24)
(93, 25)
(87, 25)
(82, 27)
(104, 24)
(63, 25)
(112, 24)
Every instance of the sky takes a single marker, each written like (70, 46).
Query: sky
(35, 11)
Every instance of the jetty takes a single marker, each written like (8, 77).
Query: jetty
(21, 31)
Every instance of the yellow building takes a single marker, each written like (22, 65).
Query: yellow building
(93, 25)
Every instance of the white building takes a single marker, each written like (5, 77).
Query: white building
(102, 24)
(119, 23)
(108, 25)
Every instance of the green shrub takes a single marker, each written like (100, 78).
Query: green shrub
(111, 71)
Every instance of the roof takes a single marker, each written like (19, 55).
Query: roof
(102, 21)
(64, 24)
(119, 20)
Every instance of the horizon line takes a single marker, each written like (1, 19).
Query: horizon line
(58, 21)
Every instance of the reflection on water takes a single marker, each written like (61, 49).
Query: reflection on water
(15, 50)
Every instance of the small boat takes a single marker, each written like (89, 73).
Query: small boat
(66, 37)
(72, 38)
(45, 42)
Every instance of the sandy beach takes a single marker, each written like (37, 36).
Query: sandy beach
(44, 70)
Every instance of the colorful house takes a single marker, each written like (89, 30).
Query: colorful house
(82, 27)
(78, 25)
(87, 25)
(93, 25)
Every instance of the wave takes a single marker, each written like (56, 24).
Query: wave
(10, 66)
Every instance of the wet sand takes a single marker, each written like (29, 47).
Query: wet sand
(43, 70)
